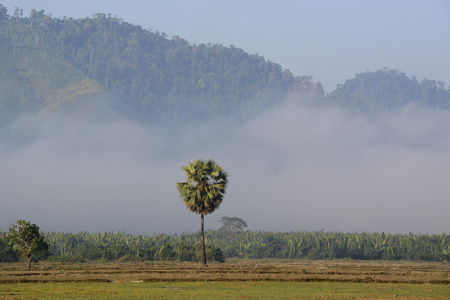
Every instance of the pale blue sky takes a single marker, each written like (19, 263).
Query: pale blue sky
(329, 40)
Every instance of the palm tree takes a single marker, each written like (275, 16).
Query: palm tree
(203, 191)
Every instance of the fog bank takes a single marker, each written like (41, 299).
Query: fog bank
(291, 169)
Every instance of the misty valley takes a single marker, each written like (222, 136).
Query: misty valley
(97, 117)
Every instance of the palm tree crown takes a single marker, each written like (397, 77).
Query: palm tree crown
(204, 189)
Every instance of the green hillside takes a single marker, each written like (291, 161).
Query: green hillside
(63, 64)
(32, 79)
(103, 67)
(386, 90)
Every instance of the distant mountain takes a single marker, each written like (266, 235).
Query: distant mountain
(386, 90)
(64, 65)
(104, 68)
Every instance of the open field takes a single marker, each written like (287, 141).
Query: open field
(234, 279)
(223, 290)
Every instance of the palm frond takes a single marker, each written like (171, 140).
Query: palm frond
(205, 185)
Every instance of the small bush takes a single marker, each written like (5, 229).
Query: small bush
(129, 258)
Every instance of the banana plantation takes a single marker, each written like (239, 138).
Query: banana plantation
(221, 244)
(332, 245)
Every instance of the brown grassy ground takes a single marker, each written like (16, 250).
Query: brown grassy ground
(282, 271)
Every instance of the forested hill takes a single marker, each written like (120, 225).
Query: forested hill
(73, 64)
(386, 90)
(103, 67)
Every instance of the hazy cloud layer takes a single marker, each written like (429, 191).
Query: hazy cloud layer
(291, 169)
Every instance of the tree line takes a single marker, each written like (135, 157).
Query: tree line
(222, 244)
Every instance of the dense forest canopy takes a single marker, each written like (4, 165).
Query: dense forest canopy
(110, 68)
(151, 77)
(387, 89)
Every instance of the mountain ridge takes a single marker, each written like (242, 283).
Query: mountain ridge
(74, 65)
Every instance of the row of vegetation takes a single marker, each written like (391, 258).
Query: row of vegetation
(222, 243)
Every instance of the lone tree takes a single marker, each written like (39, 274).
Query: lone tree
(232, 224)
(27, 238)
(203, 191)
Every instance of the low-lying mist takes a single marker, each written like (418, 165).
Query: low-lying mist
(291, 169)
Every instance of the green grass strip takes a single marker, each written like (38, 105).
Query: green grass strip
(223, 290)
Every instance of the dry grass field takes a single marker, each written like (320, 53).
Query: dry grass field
(288, 271)
(278, 279)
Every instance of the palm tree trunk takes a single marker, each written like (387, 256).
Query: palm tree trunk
(202, 242)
